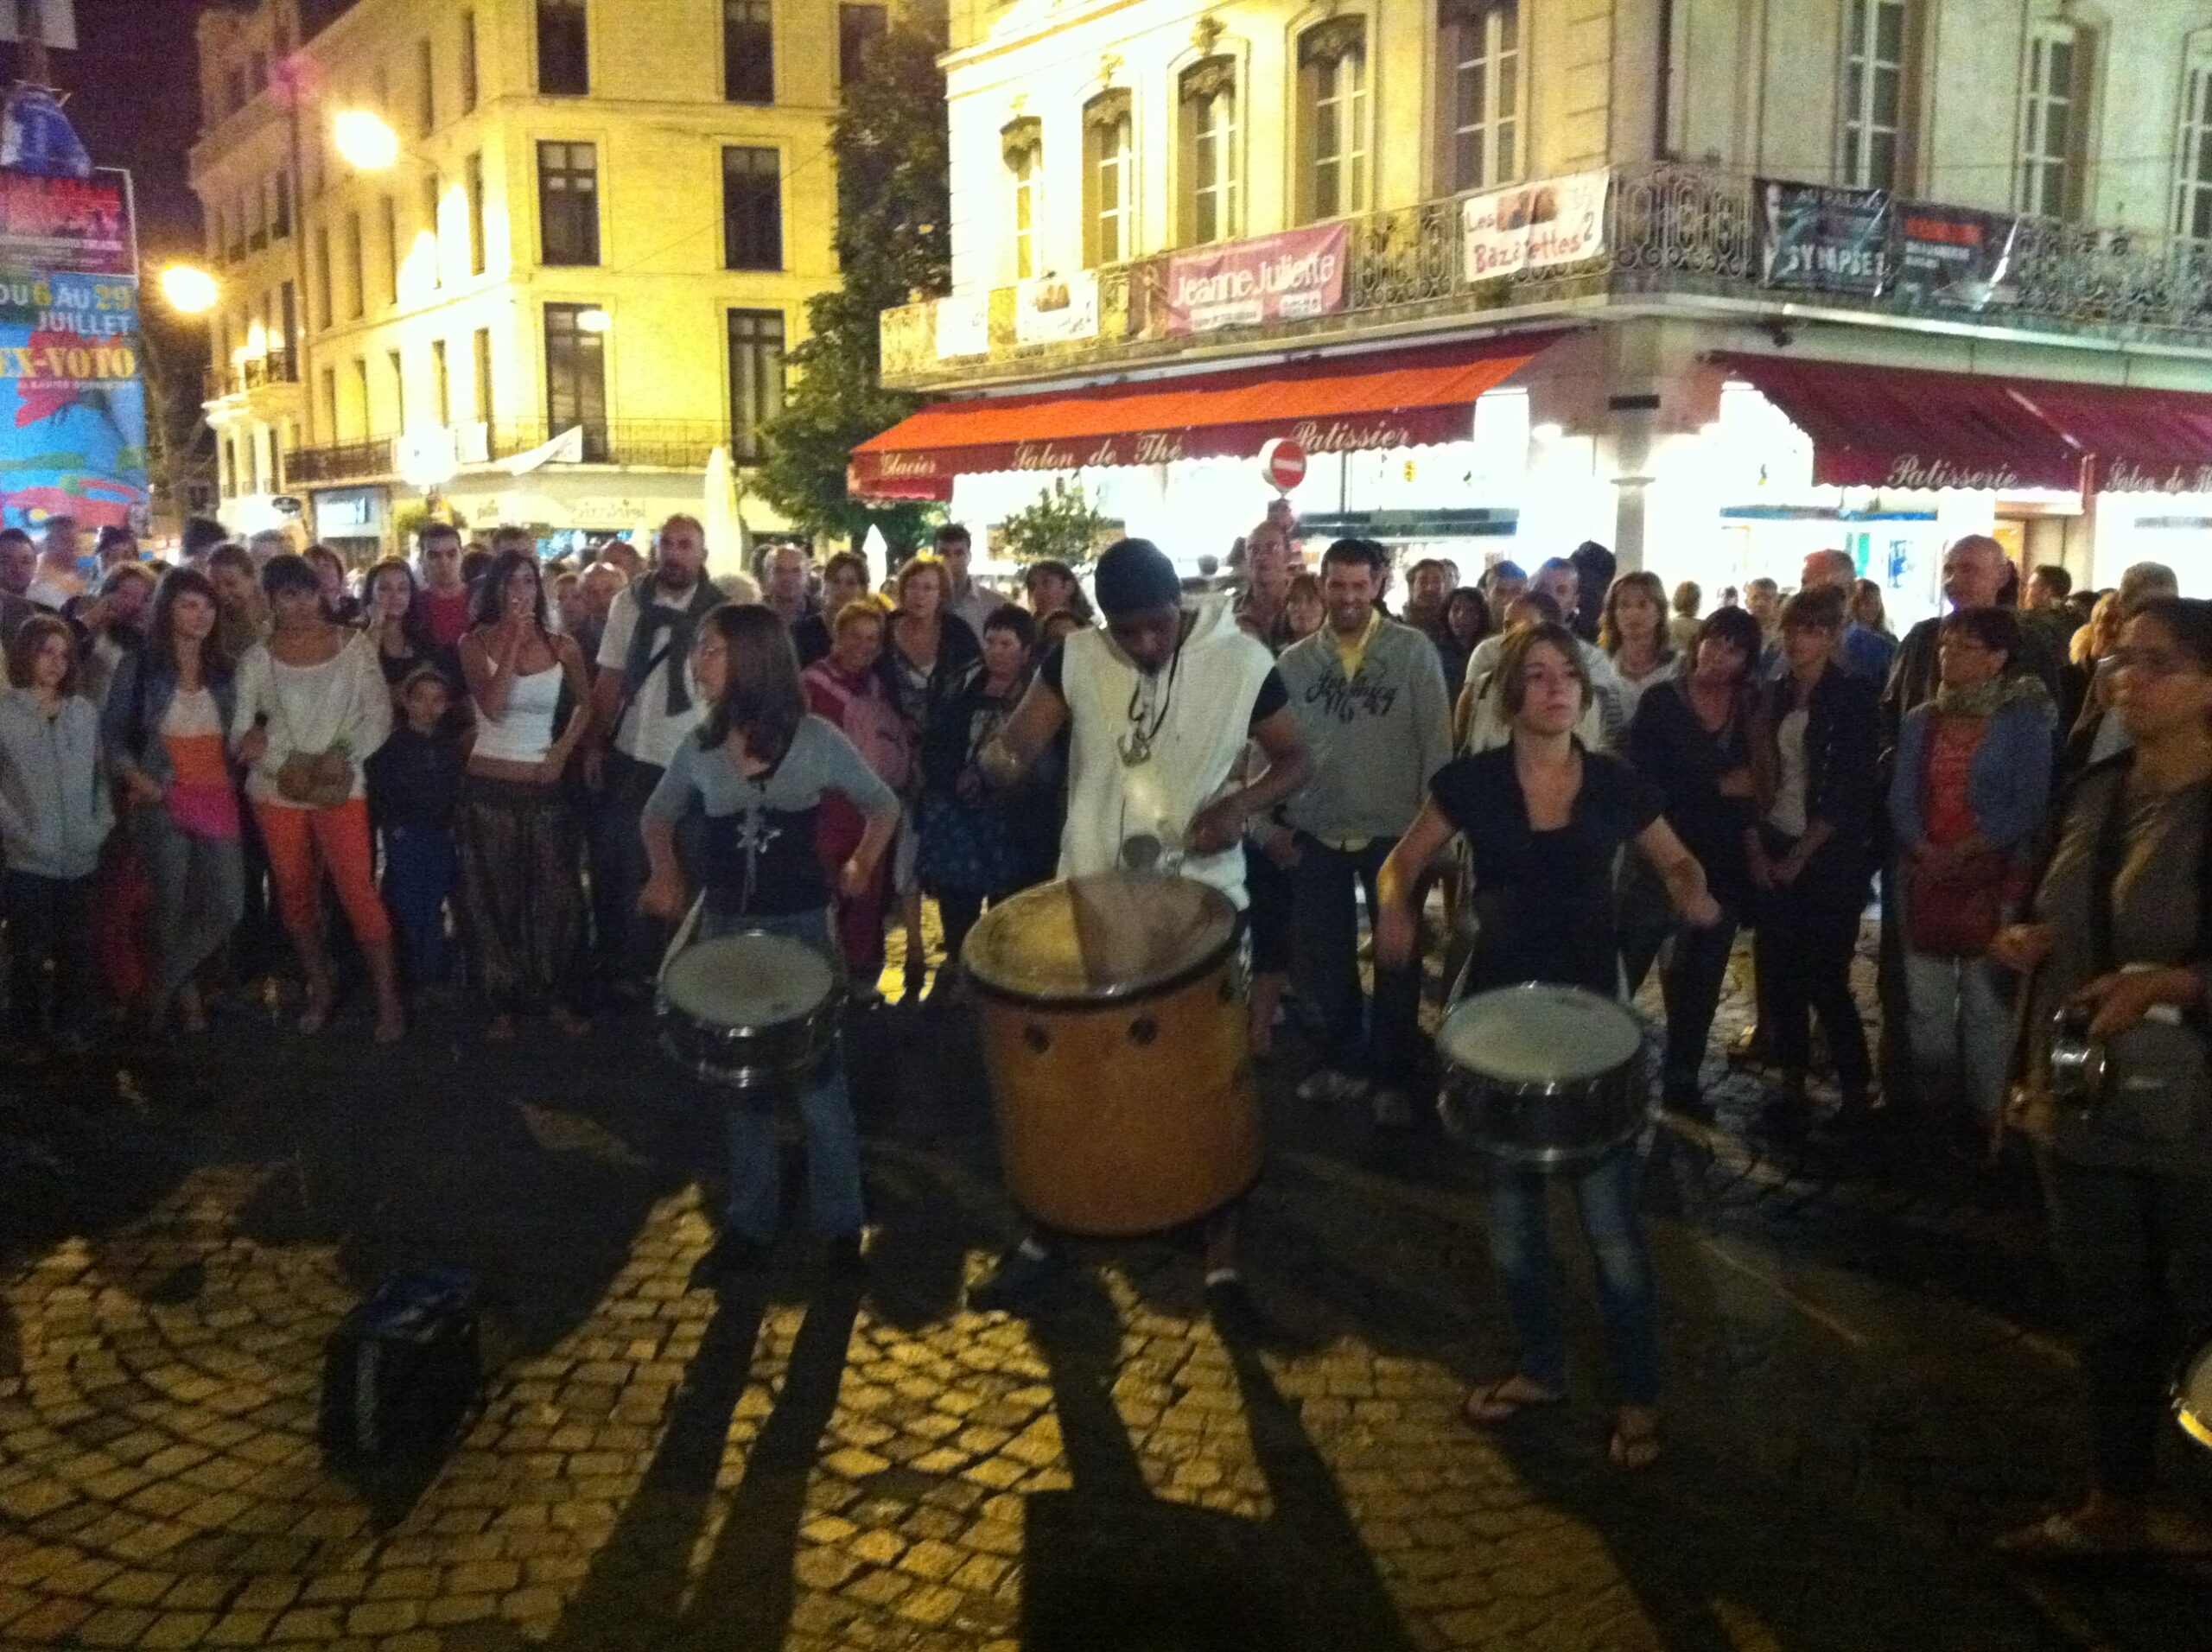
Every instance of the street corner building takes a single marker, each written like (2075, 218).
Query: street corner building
(1713, 285)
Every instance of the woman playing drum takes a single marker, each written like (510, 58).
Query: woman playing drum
(2122, 929)
(760, 767)
(1545, 821)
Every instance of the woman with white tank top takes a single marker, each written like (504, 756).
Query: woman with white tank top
(517, 834)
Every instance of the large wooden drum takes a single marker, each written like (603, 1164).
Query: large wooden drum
(1113, 1031)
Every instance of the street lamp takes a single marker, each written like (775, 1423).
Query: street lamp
(364, 140)
(189, 290)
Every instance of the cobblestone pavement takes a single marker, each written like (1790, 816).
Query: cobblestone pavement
(1868, 1380)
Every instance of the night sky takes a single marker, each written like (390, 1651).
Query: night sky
(134, 99)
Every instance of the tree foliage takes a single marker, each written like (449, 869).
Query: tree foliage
(1061, 524)
(893, 246)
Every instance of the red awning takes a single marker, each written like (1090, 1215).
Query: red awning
(1404, 398)
(2144, 441)
(1890, 427)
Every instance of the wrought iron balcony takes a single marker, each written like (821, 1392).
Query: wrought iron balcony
(277, 367)
(1669, 229)
(647, 444)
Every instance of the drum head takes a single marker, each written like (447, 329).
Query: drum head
(2193, 1394)
(1538, 1034)
(1107, 935)
(750, 980)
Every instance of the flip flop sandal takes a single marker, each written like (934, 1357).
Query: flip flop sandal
(1487, 1408)
(2062, 1537)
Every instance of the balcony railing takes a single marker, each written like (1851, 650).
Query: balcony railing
(277, 367)
(1668, 228)
(648, 444)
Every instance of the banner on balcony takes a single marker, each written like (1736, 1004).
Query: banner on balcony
(963, 325)
(1953, 256)
(1815, 238)
(80, 225)
(1056, 309)
(73, 408)
(1285, 277)
(1534, 225)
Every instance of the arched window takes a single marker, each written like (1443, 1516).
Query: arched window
(1874, 46)
(1332, 119)
(1206, 121)
(2193, 144)
(1108, 180)
(1479, 63)
(1022, 142)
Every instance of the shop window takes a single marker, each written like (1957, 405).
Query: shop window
(1332, 119)
(1478, 62)
(325, 308)
(752, 210)
(748, 51)
(756, 379)
(568, 202)
(433, 187)
(1206, 151)
(2053, 119)
(472, 172)
(467, 62)
(1022, 144)
(390, 211)
(563, 49)
(1108, 180)
(858, 28)
(1873, 93)
(483, 364)
(575, 378)
(357, 291)
(2193, 146)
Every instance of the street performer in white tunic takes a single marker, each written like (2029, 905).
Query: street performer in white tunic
(1160, 705)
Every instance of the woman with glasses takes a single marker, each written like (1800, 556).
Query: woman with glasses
(2122, 929)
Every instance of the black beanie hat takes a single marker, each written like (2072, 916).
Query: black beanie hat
(1134, 575)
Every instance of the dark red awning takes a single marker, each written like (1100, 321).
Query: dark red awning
(1404, 398)
(2144, 440)
(1890, 427)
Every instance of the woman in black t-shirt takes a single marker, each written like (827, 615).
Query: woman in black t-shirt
(1545, 822)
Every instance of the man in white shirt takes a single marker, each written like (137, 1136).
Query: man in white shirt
(642, 703)
(962, 595)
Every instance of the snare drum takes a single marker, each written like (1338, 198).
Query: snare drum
(1113, 1018)
(2193, 1394)
(749, 1009)
(1542, 1075)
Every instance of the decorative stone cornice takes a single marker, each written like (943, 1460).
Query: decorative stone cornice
(1208, 78)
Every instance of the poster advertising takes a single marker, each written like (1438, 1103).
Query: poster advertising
(1953, 256)
(72, 407)
(80, 224)
(1814, 239)
(1534, 225)
(1287, 277)
(1056, 309)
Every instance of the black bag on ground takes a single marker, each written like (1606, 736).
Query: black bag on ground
(403, 1372)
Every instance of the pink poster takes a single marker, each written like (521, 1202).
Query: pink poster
(1285, 277)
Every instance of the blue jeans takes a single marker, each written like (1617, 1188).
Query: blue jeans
(199, 896)
(419, 872)
(825, 1109)
(1520, 1248)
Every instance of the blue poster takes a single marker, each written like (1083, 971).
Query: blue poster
(73, 406)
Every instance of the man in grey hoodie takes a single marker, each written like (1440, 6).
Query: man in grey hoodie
(1369, 697)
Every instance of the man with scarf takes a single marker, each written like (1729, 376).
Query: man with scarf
(643, 699)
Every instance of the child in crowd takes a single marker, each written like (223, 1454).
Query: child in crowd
(414, 778)
(55, 812)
